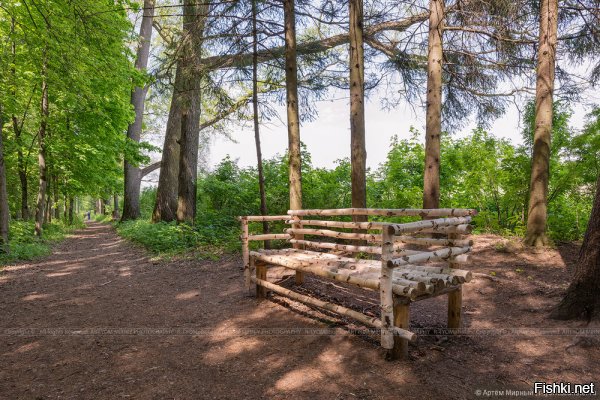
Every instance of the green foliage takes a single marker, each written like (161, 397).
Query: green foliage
(25, 246)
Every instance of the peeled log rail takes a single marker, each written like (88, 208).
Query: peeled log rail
(370, 321)
(403, 288)
(434, 242)
(270, 236)
(466, 276)
(429, 224)
(393, 212)
(342, 247)
(261, 218)
(339, 224)
(456, 229)
(335, 234)
(441, 254)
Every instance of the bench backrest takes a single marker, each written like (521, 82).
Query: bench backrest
(311, 229)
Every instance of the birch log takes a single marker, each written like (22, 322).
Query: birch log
(396, 212)
(441, 254)
(385, 290)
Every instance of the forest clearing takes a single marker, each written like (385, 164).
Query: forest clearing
(460, 260)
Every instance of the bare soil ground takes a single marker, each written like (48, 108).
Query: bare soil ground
(100, 320)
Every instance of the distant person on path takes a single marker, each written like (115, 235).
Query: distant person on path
(89, 215)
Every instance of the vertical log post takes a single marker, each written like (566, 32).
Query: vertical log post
(299, 274)
(261, 273)
(385, 291)
(401, 320)
(246, 253)
(454, 297)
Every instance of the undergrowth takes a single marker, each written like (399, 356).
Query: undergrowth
(25, 246)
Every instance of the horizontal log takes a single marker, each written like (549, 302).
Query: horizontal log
(340, 224)
(460, 259)
(429, 277)
(335, 246)
(441, 254)
(261, 218)
(270, 236)
(465, 276)
(428, 224)
(370, 321)
(459, 229)
(319, 268)
(434, 242)
(335, 234)
(393, 212)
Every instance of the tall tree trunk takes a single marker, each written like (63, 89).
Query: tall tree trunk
(193, 29)
(44, 111)
(433, 121)
(358, 155)
(65, 208)
(56, 197)
(71, 201)
(293, 115)
(133, 177)
(582, 295)
(4, 210)
(48, 212)
(115, 214)
(165, 208)
(540, 161)
(259, 163)
(17, 127)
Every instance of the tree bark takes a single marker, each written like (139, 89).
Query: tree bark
(71, 201)
(165, 207)
(358, 158)
(194, 18)
(433, 117)
(115, 214)
(582, 297)
(132, 175)
(56, 197)
(293, 116)
(259, 163)
(4, 210)
(17, 127)
(44, 112)
(540, 162)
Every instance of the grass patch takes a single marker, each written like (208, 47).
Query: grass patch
(172, 239)
(25, 246)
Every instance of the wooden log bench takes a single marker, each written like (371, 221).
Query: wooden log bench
(415, 261)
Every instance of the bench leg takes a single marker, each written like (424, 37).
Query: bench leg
(261, 273)
(454, 308)
(401, 320)
(299, 278)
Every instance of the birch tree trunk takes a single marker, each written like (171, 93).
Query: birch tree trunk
(293, 116)
(433, 114)
(540, 161)
(194, 18)
(4, 210)
(132, 176)
(358, 157)
(165, 208)
(259, 163)
(44, 111)
(582, 297)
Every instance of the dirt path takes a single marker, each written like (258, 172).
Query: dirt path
(99, 320)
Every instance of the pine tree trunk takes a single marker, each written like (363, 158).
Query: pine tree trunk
(132, 174)
(540, 162)
(4, 210)
(261, 177)
(193, 29)
(358, 157)
(165, 208)
(293, 116)
(582, 297)
(44, 111)
(433, 114)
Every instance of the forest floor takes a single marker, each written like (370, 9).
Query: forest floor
(99, 319)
